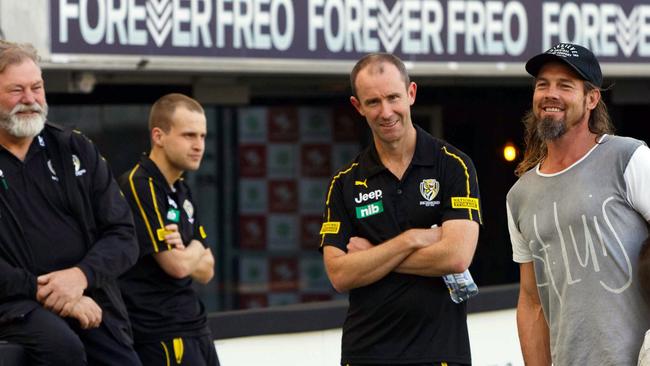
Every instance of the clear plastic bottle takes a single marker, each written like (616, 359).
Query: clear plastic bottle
(461, 285)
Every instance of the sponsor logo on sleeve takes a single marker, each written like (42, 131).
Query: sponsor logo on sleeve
(331, 227)
(465, 203)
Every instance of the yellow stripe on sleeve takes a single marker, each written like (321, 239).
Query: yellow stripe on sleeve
(144, 215)
(155, 207)
(329, 193)
(467, 185)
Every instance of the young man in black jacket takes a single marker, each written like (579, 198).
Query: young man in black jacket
(169, 320)
(66, 233)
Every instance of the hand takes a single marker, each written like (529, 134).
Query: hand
(358, 244)
(173, 239)
(87, 312)
(207, 258)
(58, 288)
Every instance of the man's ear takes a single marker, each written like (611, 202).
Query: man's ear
(156, 136)
(356, 103)
(412, 91)
(593, 97)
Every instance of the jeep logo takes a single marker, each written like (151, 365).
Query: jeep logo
(363, 197)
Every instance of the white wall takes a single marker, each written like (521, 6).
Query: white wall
(493, 336)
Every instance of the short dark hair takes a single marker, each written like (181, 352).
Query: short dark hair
(15, 53)
(163, 109)
(377, 58)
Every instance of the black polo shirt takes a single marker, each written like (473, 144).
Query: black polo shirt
(37, 200)
(402, 318)
(159, 305)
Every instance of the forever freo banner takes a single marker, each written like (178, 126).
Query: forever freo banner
(417, 30)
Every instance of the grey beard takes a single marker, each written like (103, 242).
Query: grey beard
(550, 129)
(22, 127)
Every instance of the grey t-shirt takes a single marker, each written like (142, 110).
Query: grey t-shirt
(583, 235)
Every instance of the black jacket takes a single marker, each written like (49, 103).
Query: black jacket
(105, 220)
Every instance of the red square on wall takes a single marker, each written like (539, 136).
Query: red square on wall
(283, 124)
(283, 196)
(310, 231)
(252, 232)
(284, 274)
(316, 160)
(347, 124)
(252, 161)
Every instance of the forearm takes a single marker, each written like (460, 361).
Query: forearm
(361, 268)
(205, 268)
(433, 261)
(453, 253)
(533, 335)
(531, 323)
(180, 263)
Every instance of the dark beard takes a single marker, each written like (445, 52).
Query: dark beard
(549, 129)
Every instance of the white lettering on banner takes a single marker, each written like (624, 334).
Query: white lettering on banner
(417, 26)
(589, 250)
(468, 18)
(604, 28)
(409, 27)
(254, 24)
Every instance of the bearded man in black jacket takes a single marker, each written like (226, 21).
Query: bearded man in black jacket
(66, 232)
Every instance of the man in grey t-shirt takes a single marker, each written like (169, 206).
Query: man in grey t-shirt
(577, 219)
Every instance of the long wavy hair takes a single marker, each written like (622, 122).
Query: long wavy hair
(535, 147)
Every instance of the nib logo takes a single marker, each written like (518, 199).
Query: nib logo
(159, 20)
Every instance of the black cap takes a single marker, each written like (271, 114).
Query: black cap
(577, 57)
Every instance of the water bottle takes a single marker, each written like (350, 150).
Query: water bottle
(461, 285)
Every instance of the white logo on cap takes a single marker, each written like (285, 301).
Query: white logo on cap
(564, 50)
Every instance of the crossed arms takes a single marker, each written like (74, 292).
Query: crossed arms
(193, 260)
(424, 252)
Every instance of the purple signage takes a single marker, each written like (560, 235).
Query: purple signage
(416, 30)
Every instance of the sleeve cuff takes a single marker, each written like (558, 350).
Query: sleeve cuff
(33, 287)
(522, 259)
(89, 273)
